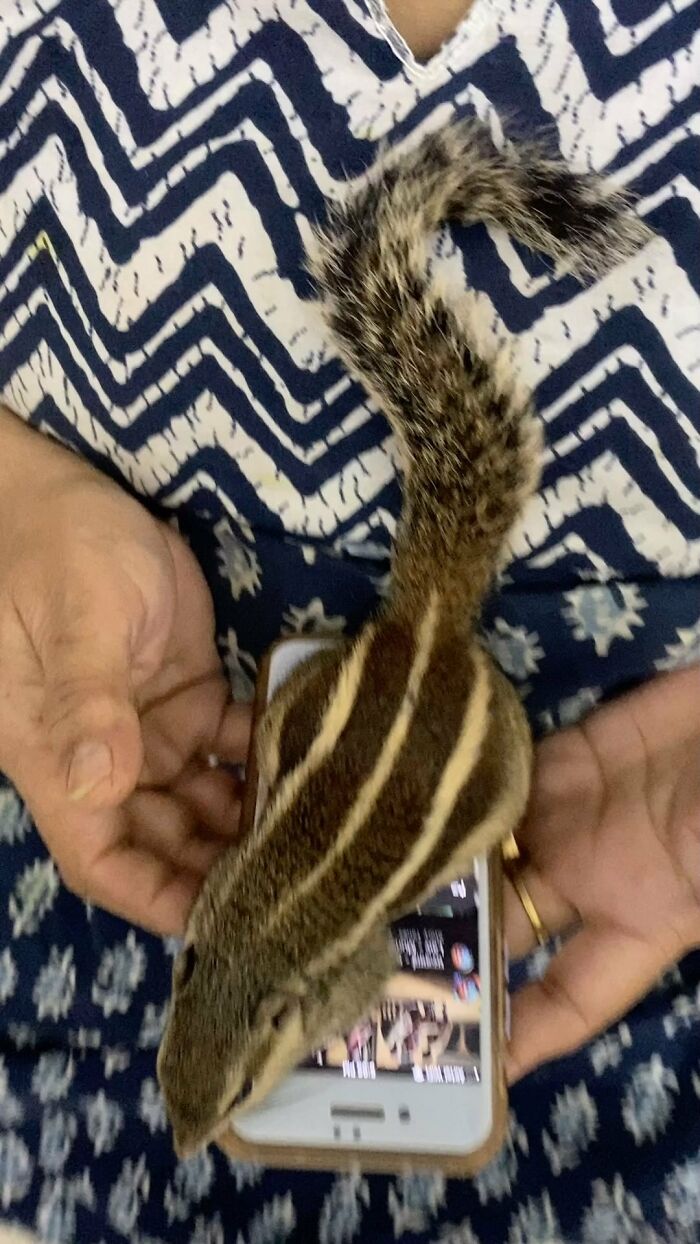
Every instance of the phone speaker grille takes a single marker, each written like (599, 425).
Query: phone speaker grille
(358, 1112)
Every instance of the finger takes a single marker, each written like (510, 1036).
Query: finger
(233, 737)
(595, 979)
(556, 914)
(153, 893)
(89, 725)
(98, 860)
(169, 829)
(214, 798)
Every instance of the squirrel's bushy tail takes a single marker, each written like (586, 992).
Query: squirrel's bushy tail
(466, 433)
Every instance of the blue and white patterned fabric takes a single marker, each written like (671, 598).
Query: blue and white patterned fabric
(160, 161)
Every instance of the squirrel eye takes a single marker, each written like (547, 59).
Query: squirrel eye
(240, 1097)
(188, 960)
(243, 1094)
(279, 1017)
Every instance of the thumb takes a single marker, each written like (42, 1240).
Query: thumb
(598, 976)
(90, 724)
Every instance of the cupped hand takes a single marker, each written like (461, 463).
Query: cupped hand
(112, 696)
(611, 842)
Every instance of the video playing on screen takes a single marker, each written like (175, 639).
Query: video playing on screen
(428, 1025)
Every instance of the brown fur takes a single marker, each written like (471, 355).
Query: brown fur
(398, 759)
(292, 720)
(300, 725)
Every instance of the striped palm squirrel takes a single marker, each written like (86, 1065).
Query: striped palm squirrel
(395, 758)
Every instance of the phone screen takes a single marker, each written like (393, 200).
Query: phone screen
(428, 1025)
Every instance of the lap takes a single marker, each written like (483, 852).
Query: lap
(85, 1152)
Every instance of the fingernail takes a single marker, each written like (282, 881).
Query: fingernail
(91, 764)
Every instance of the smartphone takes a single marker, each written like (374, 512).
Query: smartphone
(420, 1079)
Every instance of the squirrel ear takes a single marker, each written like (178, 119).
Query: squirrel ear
(278, 1008)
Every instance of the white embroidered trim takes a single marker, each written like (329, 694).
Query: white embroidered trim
(472, 23)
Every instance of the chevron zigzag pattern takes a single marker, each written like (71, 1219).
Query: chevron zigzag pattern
(159, 170)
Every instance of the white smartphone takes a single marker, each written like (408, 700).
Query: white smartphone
(421, 1074)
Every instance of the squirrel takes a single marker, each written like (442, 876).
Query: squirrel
(395, 758)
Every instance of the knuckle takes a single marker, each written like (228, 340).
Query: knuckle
(78, 706)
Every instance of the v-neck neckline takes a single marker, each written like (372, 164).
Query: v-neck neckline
(473, 21)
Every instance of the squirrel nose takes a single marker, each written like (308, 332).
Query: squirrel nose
(186, 1143)
(191, 1128)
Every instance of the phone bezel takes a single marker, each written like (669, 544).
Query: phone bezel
(383, 1160)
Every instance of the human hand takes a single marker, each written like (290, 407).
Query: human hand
(111, 691)
(611, 850)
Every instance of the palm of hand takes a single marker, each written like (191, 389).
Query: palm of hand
(611, 840)
(117, 646)
(183, 812)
